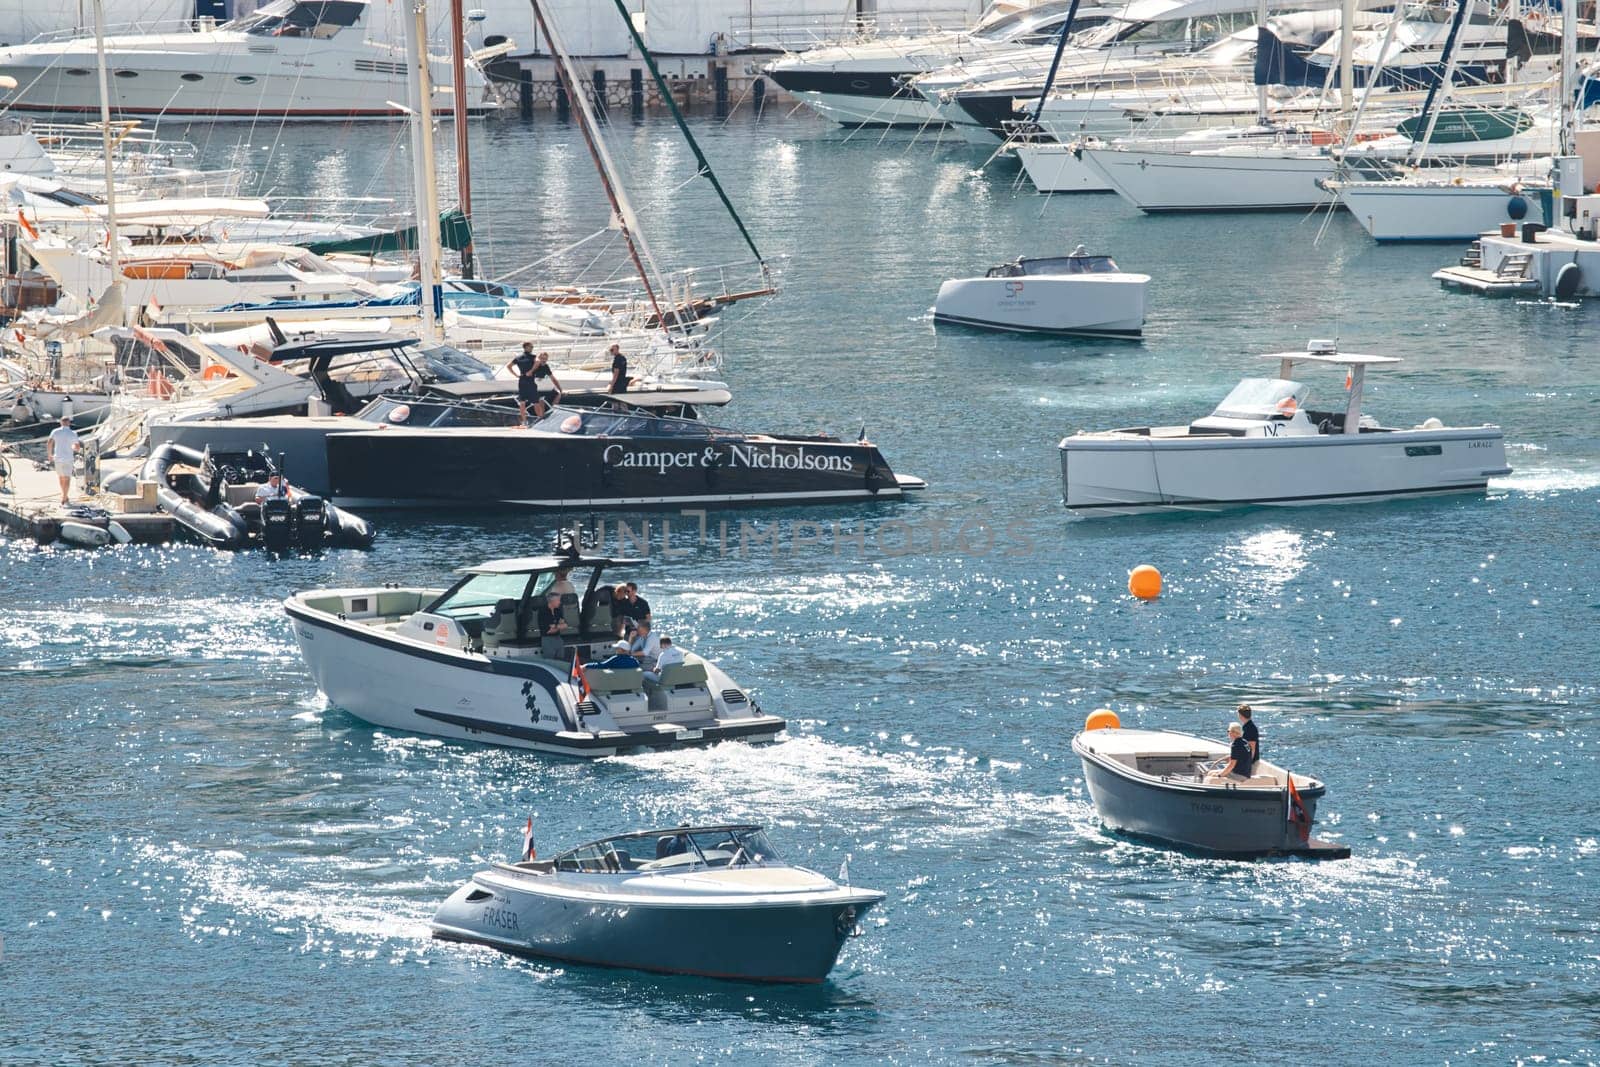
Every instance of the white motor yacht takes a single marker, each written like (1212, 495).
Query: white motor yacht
(712, 901)
(1075, 294)
(469, 663)
(290, 59)
(1265, 445)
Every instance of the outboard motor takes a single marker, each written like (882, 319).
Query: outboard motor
(277, 525)
(311, 522)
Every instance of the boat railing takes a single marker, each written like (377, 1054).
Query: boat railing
(115, 29)
(802, 32)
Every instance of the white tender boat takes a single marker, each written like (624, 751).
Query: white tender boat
(1265, 445)
(1164, 786)
(713, 901)
(468, 662)
(1076, 294)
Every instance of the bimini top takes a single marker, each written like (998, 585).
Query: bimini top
(536, 564)
(1328, 352)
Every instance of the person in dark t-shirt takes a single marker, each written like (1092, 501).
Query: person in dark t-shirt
(1239, 761)
(547, 390)
(551, 621)
(521, 367)
(619, 370)
(1252, 736)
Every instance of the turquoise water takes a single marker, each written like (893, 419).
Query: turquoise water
(199, 862)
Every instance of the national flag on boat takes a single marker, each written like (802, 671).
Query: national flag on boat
(1297, 810)
(527, 840)
(580, 680)
(33, 234)
(844, 870)
(153, 309)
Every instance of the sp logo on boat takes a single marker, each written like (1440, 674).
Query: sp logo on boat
(1013, 288)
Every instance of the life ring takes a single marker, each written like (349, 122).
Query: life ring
(214, 372)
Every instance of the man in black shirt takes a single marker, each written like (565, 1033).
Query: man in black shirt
(527, 385)
(547, 390)
(619, 370)
(551, 621)
(1239, 761)
(638, 606)
(1252, 736)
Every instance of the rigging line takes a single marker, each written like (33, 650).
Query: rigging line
(694, 146)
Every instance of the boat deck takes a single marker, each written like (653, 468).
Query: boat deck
(32, 506)
(1485, 282)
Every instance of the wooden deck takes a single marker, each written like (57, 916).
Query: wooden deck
(32, 505)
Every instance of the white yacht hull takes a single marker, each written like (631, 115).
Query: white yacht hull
(1059, 168)
(1100, 305)
(1125, 473)
(907, 109)
(1399, 211)
(1160, 181)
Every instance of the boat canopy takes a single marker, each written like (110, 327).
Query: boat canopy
(678, 848)
(1262, 398)
(537, 564)
(301, 18)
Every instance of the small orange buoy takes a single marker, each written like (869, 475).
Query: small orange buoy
(1102, 719)
(1144, 582)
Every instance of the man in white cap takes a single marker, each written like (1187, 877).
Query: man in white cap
(64, 446)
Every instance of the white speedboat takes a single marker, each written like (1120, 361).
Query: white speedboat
(292, 59)
(1265, 445)
(713, 901)
(1164, 786)
(1076, 294)
(865, 83)
(468, 662)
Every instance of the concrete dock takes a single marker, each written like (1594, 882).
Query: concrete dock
(31, 505)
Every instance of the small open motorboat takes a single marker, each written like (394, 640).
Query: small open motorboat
(469, 662)
(1076, 294)
(714, 901)
(1264, 445)
(1163, 786)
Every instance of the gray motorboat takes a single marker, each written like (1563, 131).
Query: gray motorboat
(712, 901)
(1165, 786)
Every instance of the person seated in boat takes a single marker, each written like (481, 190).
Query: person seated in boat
(671, 845)
(645, 646)
(670, 656)
(1252, 735)
(552, 622)
(1239, 760)
(622, 610)
(274, 488)
(619, 660)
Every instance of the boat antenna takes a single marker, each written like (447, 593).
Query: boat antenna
(694, 146)
(638, 251)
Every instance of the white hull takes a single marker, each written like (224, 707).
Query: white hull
(1124, 474)
(1057, 168)
(221, 75)
(1104, 304)
(908, 109)
(1250, 180)
(1402, 211)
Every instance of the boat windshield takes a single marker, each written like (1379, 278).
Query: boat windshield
(619, 424)
(300, 18)
(1263, 398)
(673, 851)
(476, 592)
(418, 412)
(1034, 25)
(1055, 266)
(445, 363)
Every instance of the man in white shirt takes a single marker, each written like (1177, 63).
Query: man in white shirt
(669, 656)
(64, 445)
(645, 646)
(272, 488)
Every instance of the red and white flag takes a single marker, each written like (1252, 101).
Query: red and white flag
(1297, 810)
(579, 678)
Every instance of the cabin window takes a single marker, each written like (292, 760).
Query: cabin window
(246, 79)
(78, 72)
(127, 74)
(192, 77)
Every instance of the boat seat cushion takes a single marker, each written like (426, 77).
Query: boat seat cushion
(398, 603)
(607, 680)
(683, 674)
(600, 611)
(569, 610)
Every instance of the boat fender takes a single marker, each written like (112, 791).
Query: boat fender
(1568, 280)
(119, 533)
(349, 531)
(1517, 208)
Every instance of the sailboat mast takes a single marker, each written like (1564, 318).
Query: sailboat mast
(1347, 47)
(458, 75)
(422, 168)
(638, 251)
(1261, 89)
(114, 249)
(1569, 79)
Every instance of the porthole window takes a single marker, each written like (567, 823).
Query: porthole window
(246, 79)
(192, 77)
(78, 72)
(127, 74)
